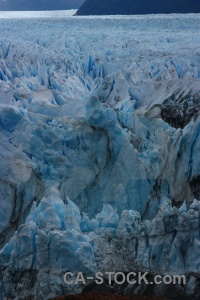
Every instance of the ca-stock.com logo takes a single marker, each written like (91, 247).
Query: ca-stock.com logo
(120, 278)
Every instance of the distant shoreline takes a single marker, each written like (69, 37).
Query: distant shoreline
(56, 14)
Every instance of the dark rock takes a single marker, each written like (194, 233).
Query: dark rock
(179, 112)
(132, 7)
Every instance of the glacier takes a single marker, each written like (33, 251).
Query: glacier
(99, 146)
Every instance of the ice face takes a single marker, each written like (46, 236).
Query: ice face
(49, 239)
(55, 239)
(99, 148)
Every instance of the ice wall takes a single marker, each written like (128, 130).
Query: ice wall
(56, 238)
(99, 148)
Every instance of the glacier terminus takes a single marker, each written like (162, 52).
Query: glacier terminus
(99, 150)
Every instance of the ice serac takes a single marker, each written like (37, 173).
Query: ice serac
(49, 243)
(99, 146)
(168, 243)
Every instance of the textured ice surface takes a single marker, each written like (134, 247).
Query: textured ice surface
(99, 128)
